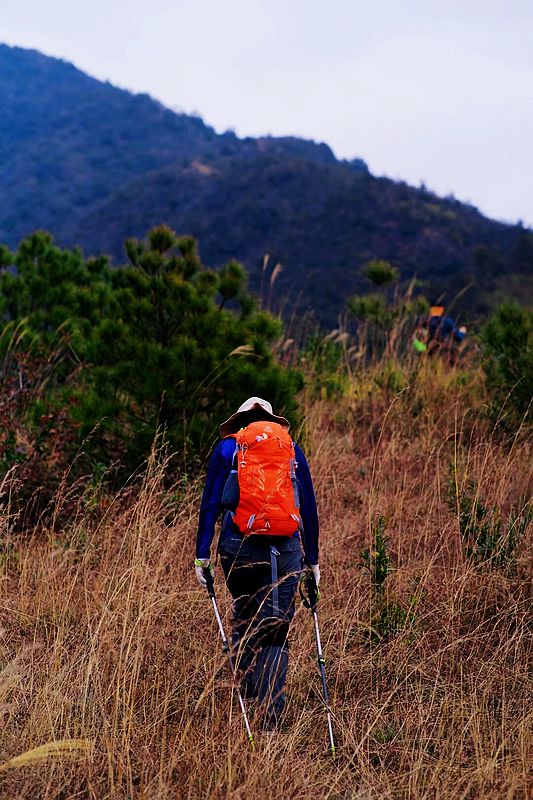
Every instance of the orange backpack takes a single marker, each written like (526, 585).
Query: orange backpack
(266, 473)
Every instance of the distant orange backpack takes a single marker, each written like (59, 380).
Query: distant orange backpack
(266, 474)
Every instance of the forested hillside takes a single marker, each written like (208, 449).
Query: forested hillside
(94, 164)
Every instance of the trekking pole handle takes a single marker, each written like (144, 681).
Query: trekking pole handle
(311, 599)
(312, 589)
(208, 575)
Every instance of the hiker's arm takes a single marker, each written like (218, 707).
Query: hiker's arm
(308, 508)
(217, 474)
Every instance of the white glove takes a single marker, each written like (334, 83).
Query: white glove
(316, 573)
(199, 565)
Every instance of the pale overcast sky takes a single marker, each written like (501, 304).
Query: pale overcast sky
(439, 91)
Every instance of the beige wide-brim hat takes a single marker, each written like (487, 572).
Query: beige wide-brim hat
(231, 425)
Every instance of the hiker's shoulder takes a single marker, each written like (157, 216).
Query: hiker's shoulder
(225, 448)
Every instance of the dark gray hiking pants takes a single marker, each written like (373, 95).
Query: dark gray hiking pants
(262, 574)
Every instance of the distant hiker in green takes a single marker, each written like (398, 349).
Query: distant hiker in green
(439, 334)
(259, 481)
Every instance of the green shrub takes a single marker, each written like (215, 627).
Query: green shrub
(381, 272)
(390, 377)
(386, 318)
(388, 616)
(376, 558)
(490, 542)
(324, 360)
(507, 340)
(148, 346)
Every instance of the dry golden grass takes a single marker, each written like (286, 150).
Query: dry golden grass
(107, 638)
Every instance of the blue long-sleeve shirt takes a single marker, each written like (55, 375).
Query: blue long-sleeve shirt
(443, 328)
(210, 507)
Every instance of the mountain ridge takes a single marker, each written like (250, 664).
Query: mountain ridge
(95, 164)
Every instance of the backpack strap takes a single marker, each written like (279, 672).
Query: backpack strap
(230, 492)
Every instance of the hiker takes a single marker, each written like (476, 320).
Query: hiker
(263, 545)
(443, 335)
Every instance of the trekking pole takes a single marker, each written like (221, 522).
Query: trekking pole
(226, 649)
(311, 601)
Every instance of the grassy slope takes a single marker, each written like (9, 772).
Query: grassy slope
(106, 635)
